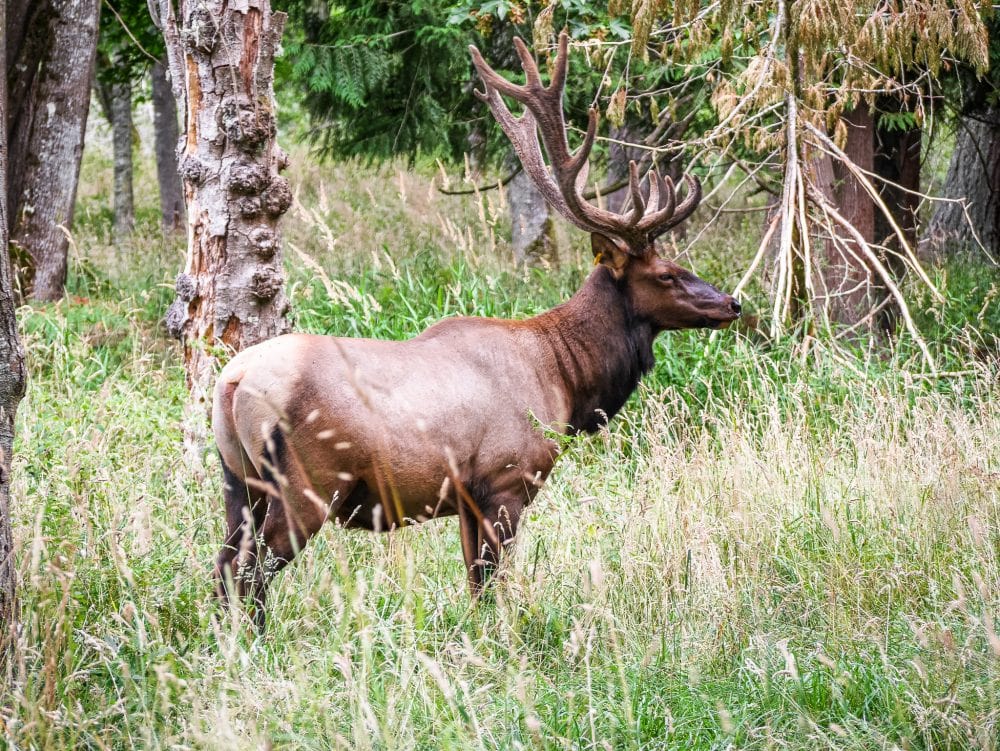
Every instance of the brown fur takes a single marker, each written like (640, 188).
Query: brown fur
(380, 434)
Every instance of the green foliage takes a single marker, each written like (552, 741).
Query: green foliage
(381, 78)
(127, 41)
(387, 79)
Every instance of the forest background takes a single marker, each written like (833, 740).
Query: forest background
(789, 538)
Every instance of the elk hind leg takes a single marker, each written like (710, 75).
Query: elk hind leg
(295, 512)
(245, 508)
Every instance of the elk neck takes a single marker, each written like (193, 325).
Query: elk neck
(599, 349)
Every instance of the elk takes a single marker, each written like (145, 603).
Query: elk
(381, 434)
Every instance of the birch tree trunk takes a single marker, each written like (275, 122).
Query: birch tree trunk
(121, 135)
(53, 145)
(12, 379)
(973, 175)
(167, 135)
(231, 292)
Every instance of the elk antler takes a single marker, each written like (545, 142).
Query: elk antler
(563, 186)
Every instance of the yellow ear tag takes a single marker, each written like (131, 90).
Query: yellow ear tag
(598, 258)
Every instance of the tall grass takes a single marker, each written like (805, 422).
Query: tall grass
(772, 547)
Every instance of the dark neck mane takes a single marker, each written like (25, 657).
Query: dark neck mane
(600, 349)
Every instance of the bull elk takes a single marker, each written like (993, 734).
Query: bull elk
(380, 434)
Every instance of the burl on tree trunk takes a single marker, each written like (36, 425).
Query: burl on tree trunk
(231, 293)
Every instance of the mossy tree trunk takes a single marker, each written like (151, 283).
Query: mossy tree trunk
(57, 60)
(973, 175)
(12, 380)
(231, 292)
(532, 227)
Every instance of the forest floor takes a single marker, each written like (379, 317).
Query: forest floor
(772, 547)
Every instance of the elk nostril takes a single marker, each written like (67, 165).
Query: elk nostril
(736, 306)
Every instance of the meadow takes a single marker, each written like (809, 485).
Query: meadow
(777, 545)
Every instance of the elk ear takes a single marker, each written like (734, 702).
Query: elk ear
(609, 253)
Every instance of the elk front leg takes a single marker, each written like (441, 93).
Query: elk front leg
(486, 529)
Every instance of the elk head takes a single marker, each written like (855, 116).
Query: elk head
(659, 291)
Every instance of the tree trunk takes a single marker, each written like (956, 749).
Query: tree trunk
(12, 380)
(28, 41)
(167, 136)
(121, 134)
(847, 284)
(973, 175)
(619, 155)
(53, 145)
(231, 293)
(843, 279)
(532, 226)
(897, 164)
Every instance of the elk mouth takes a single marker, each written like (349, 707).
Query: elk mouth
(721, 323)
(715, 321)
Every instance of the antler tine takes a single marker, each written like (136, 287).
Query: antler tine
(638, 204)
(690, 202)
(492, 79)
(580, 156)
(558, 82)
(669, 196)
(683, 211)
(528, 65)
(653, 203)
(664, 188)
(657, 189)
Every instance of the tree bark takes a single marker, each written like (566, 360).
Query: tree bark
(28, 42)
(12, 380)
(231, 293)
(843, 279)
(532, 227)
(167, 135)
(53, 146)
(121, 135)
(897, 164)
(973, 175)
(619, 155)
(847, 285)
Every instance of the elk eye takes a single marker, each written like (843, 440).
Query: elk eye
(668, 278)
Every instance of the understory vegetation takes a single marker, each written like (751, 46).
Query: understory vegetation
(778, 544)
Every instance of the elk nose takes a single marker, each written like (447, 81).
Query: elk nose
(735, 305)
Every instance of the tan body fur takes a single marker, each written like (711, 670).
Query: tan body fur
(398, 418)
